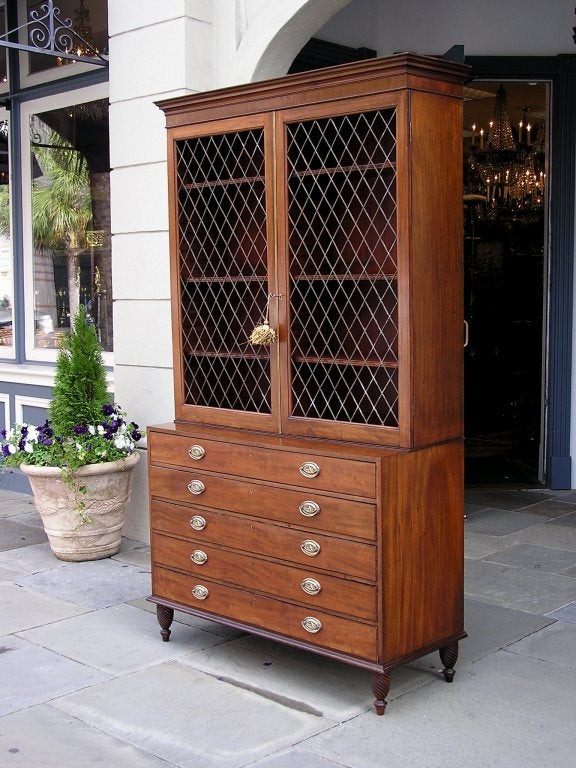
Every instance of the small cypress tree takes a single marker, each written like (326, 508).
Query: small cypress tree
(80, 379)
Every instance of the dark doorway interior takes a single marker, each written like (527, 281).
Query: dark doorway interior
(505, 130)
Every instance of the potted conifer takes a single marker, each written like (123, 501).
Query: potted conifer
(80, 462)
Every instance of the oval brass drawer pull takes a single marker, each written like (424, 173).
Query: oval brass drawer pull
(309, 469)
(310, 586)
(199, 557)
(309, 508)
(310, 547)
(198, 522)
(200, 592)
(196, 452)
(196, 487)
(312, 624)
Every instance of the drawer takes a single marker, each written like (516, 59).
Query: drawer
(348, 476)
(220, 600)
(303, 585)
(352, 558)
(295, 507)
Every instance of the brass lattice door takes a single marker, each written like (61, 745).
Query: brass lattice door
(222, 278)
(342, 238)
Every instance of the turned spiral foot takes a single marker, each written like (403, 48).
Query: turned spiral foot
(165, 617)
(448, 657)
(380, 688)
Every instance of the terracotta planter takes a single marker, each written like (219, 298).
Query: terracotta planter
(108, 493)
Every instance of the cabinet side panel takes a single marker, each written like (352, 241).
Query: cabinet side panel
(436, 268)
(423, 551)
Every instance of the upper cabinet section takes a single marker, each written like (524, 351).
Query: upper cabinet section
(325, 211)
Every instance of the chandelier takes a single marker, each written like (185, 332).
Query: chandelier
(505, 167)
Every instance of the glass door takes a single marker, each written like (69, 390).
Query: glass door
(505, 249)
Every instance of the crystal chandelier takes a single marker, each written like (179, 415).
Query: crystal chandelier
(507, 170)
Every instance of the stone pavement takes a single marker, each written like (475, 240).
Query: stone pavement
(86, 680)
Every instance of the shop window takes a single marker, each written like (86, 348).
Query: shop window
(70, 220)
(6, 271)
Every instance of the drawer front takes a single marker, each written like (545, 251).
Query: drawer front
(295, 507)
(325, 630)
(316, 590)
(307, 470)
(317, 551)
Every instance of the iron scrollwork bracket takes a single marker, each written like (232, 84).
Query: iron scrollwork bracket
(52, 34)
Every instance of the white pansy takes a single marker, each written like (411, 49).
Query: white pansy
(12, 448)
(92, 429)
(101, 429)
(28, 447)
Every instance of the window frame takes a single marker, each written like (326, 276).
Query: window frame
(28, 108)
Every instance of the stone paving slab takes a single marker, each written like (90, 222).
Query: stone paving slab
(504, 498)
(29, 560)
(297, 758)
(92, 584)
(497, 522)
(520, 588)
(118, 640)
(191, 719)
(301, 679)
(16, 504)
(552, 508)
(547, 559)
(44, 737)
(32, 675)
(14, 535)
(506, 711)
(477, 545)
(566, 613)
(556, 643)
(23, 609)
(135, 553)
(548, 534)
(7, 574)
(489, 627)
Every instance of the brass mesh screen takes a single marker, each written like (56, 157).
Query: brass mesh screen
(343, 268)
(223, 269)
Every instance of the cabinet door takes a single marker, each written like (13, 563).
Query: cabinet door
(344, 202)
(221, 257)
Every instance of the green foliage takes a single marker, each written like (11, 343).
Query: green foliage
(80, 381)
(61, 199)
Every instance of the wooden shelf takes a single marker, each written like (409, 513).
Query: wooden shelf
(223, 182)
(345, 361)
(369, 167)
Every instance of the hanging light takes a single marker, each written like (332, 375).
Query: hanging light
(507, 171)
(83, 28)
